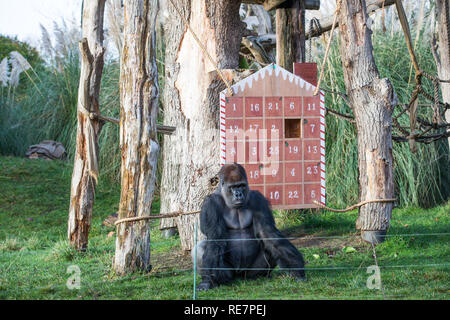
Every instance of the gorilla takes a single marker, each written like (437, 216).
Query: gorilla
(242, 239)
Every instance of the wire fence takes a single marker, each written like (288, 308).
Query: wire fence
(383, 294)
(331, 237)
(300, 297)
(195, 276)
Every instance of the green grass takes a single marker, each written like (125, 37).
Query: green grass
(34, 253)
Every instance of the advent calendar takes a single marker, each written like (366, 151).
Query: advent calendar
(274, 127)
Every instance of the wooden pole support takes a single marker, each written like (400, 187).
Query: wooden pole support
(160, 128)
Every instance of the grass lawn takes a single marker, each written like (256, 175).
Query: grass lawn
(34, 253)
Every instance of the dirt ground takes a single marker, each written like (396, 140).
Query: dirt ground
(179, 260)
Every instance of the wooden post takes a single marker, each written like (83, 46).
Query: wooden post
(191, 103)
(85, 171)
(138, 142)
(290, 34)
(372, 100)
(443, 57)
(441, 53)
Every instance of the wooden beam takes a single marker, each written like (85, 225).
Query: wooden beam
(165, 129)
(274, 4)
(269, 40)
(268, 4)
(257, 50)
(160, 128)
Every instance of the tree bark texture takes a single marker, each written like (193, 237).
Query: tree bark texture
(85, 171)
(290, 34)
(290, 37)
(372, 100)
(272, 4)
(443, 60)
(138, 142)
(191, 104)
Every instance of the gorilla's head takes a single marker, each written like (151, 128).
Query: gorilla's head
(234, 185)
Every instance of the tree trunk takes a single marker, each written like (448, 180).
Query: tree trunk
(443, 60)
(138, 142)
(372, 100)
(191, 103)
(290, 33)
(290, 41)
(85, 171)
(172, 170)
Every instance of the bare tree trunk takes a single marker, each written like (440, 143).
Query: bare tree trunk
(372, 100)
(290, 40)
(172, 162)
(290, 32)
(191, 103)
(443, 57)
(85, 171)
(138, 142)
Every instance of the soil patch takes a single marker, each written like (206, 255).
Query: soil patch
(178, 260)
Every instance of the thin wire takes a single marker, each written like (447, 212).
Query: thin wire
(445, 265)
(324, 237)
(195, 262)
(376, 263)
(330, 237)
(301, 297)
(45, 250)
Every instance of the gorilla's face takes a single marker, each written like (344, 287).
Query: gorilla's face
(235, 194)
(234, 185)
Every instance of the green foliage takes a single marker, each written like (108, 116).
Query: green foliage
(62, 251)
(8, 44)
(10, 244)
(419, 178)
(48, 111)
(392, 246)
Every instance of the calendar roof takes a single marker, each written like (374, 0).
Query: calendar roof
(272, 80)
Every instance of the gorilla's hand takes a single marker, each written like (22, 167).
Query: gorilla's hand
(204, 286)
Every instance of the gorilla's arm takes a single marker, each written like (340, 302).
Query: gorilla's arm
(283, 251)
(212, 225)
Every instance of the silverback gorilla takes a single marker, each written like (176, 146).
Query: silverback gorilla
(233, 212)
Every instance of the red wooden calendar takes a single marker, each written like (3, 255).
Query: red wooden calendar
(274, 126)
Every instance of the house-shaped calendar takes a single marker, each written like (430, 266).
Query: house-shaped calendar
(274, 127)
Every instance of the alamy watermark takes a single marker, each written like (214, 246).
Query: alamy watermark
(373, 281)
(74, 280)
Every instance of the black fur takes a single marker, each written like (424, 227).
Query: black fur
(270, 250)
